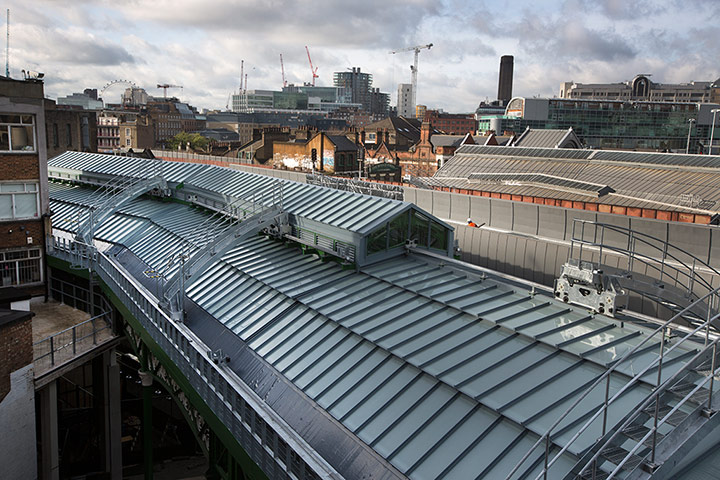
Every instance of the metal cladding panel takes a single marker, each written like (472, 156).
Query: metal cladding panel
(428, 338)
(309, 201)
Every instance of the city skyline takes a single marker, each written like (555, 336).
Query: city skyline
(88, 44)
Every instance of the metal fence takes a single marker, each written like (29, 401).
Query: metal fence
(66, 344)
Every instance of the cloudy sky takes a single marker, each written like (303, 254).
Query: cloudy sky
(199, 44)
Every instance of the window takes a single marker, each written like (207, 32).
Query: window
(56, 136)
(69, 135)
(18, 200)
(127, 132)
(19, 267)
(17, 133)
(127, 142)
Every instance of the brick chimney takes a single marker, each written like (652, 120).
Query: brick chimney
(425, 133)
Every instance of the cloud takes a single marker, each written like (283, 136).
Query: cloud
(570, 38)
(41, 46)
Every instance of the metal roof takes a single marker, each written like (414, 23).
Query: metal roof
(546, 138)
(643, 185)
(442, 372)
(341, 209)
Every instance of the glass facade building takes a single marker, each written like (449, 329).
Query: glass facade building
(605, 124)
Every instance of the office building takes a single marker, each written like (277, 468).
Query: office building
(610, 124)
(640, 88)
(404, 100)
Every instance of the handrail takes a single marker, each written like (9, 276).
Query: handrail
(648, 240)
(613, 368)
(656, 395)
(54, 348)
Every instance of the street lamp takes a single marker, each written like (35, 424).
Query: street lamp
(712, 129)
(690, 121)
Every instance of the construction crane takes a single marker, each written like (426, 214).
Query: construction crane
(282, 69)
(414, 67)
(165, 86)
(313, 70)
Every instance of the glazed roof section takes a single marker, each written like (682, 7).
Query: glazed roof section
(341, 209)
(442, 372)
(638, 180)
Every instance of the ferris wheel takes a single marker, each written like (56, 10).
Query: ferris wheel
(114, 83)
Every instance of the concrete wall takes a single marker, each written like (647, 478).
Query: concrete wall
(286, 174)
(532, 241)
(17, 424)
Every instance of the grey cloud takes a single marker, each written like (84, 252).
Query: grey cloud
(624, 10)
(337, 23)
(40, 46)
(563, 38)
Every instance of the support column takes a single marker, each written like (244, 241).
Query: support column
(49, 432)
(113, 422)
(147, 387)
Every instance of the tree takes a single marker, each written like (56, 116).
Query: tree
(196, 141)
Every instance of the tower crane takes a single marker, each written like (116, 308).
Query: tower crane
(165, 86)
(414, 67)
(282, 69)
(313, 70)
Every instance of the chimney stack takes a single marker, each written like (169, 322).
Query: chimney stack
(505, 79)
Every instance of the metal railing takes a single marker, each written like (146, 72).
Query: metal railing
(217, 233)
(691, 338)
(661, 258)
(66, 344)
(267, 439)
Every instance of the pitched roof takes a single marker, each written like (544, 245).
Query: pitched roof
(342, 143)
(547, 138)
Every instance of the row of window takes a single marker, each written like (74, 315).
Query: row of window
(20, 267)
(19, 201)
(411, 225)
(17, 133)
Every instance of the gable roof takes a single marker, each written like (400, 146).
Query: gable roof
(547, 138)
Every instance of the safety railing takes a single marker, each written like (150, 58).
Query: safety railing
(664, 262)
(216, 233)
(691, 338)
(66, 344)
(267, 439)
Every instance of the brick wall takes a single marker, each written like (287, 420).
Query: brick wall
(15, 351)
(11, 236)
(19, 167)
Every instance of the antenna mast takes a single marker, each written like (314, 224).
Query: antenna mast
(7, 47)
(282, 68)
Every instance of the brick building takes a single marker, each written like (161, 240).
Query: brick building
(69, 127)
(24, 211)
(451, 123)
(332, 154)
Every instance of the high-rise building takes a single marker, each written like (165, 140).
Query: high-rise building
(404, 100)
(420, 111)
(359, 84)
(505, 80)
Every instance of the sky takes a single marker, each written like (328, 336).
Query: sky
(200, 44)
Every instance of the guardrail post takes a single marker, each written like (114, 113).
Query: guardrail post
(712, 376)
(52, 352)
(92, 321)
(74, 339)
(547, 454)
(605, 414)
(655, 425)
